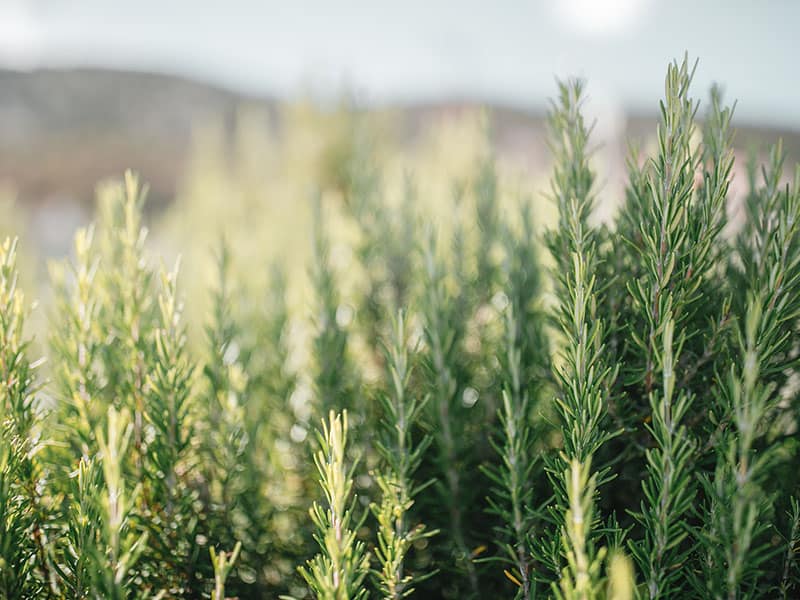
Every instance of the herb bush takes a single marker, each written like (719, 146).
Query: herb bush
(617, 420)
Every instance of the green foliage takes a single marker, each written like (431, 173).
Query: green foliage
(119, 545)
(333, 373)
(122, 350)
(790, 577)
(76, 341)
(622, 425)
(23, 564)
(581, 575)
(675, 238)
(223, 563)
(80, 548)
(583, 375)
(337, 572)
(401, 457)
(525, 362)
(751, 394)
(443, 325)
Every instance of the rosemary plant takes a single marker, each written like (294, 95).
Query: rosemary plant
(76, 342)
(737, 547)
(334, 376)
(443, 334)
(223, 411)
(581, 576)
(401, 456)
(674, 264)
(24, 564)
(167, 409)
(525, 363)
(790, 574)
(583, 375)
(122, 345)
(223, 563)
(79, 554)
(120, 545)
(337, 572)
(128, 311)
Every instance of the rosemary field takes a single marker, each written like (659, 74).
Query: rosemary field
(606, 411)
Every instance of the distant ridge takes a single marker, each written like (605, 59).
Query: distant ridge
(62, 130)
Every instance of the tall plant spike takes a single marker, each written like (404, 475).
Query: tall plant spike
(168, 410)
(78, 550)
(338, 571)
(674, 264)
(513, 491)
(524, 363)
(129, 311)
(582, 374)
(333, 373)
(443, 334)
(224, 418)
(582, 573)
(120, 545)
(401, 456)
(223, 563)
(76, 341)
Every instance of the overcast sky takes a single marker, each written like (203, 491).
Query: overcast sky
(500, 51)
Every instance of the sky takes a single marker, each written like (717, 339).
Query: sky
(498, 51)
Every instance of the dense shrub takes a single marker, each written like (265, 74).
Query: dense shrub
(617, 420)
